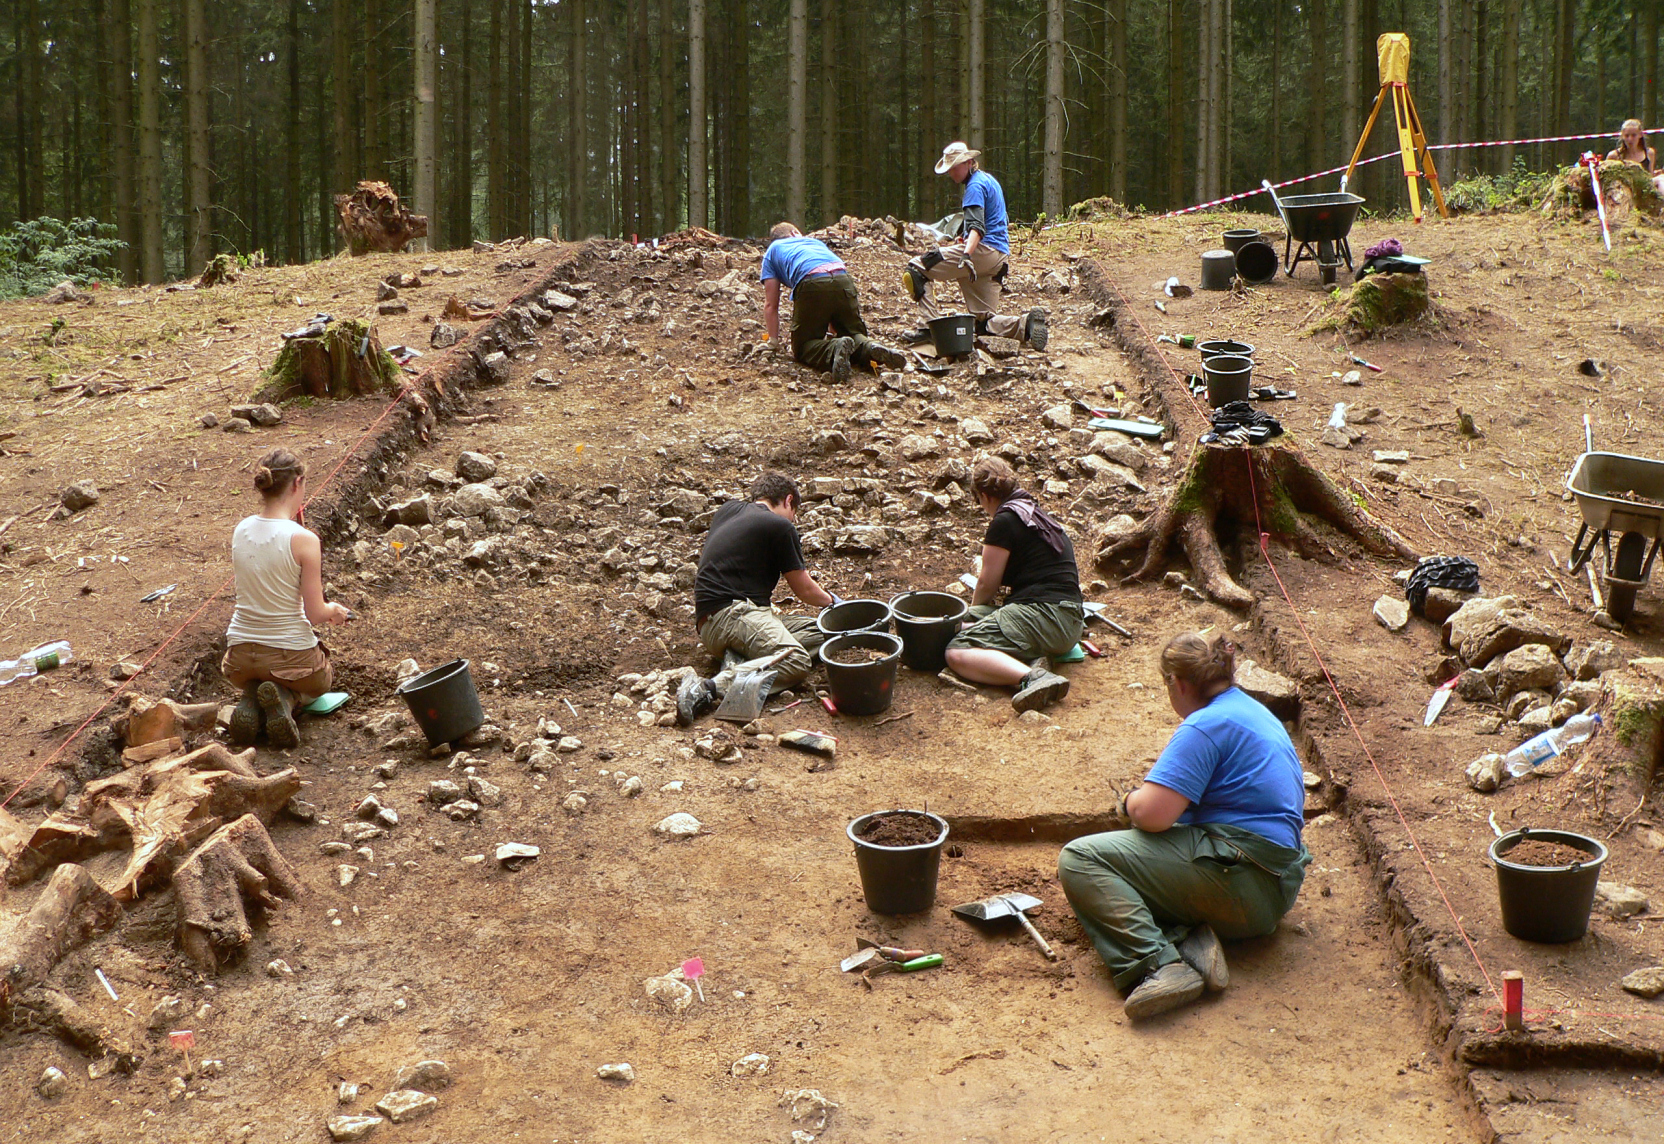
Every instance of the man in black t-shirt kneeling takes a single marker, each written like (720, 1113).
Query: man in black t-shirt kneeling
(751, 544)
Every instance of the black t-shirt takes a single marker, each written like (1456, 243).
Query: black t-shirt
(1036, 573)
(746, 552)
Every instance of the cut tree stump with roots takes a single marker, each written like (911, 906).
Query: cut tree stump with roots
(373, 220)
(346, 360)
(1627, 187)
(70, 910)
(237, 862)
(1379, 302)
(1267, 487)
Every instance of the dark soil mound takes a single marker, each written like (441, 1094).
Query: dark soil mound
(856, 656)
(899, 828)
(1536, 853)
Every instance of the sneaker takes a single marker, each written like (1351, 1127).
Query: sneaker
(1039, 688)
(1203, 953)
(695, 698)
(842, 350)
(1035, 332)
(245, 718)
(278, 705)
(914, 280)
(878, 354)
(1167, 988)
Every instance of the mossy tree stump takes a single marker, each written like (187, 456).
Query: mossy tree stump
(1265, 488)
(1627, 187)
(1623, 759)
(344, 361)
(1378, 302)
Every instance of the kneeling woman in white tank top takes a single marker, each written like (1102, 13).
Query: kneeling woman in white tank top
(271, 651)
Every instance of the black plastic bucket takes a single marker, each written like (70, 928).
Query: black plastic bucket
(1218, 268)
(854, 616)
(926, 622)
(1229, 378)
(1235, 240)
(444, 702)
(861, 688)
(1217, 346)
(953, 335)
(898, 879)
(1256, 262)
(1547, 903)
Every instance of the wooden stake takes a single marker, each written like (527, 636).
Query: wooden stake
(1513, 1001)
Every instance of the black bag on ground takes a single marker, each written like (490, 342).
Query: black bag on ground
(1455, 572)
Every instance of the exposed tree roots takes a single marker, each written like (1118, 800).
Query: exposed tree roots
(1267, 488)
(373, 219)
(71, 909)
(237, 862)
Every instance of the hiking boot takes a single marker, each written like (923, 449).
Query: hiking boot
(878, 354)
(1167, 988)
(916, 337)
(1039, 688)
(914, 280)
(245, 718)
(1203, 953)
(695, 698)
(1035, 332)
(278, 705)
(843, 349)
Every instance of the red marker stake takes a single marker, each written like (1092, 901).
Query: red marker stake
(1513, 1001)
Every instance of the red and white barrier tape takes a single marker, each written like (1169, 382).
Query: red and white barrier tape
(1376, 159)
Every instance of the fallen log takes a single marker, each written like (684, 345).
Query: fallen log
(237, 863)
(70, 910)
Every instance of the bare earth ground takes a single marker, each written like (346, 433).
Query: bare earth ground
(1337, 1028)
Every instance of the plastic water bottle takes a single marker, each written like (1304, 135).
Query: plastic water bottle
(32, 663)
(1539, 749)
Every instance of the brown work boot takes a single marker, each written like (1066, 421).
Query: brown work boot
(879, 354)
(843, 349)
(245, 718)
(1039, 688)
(279, 706)
(1203, 953)
(1167, 988)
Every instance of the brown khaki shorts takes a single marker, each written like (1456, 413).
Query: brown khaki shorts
(307, 673)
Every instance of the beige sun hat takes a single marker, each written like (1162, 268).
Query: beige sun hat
(954, 154)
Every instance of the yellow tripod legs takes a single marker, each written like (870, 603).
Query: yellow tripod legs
(1393, 49)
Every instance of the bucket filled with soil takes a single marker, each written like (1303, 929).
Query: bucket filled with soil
(861, 671)
(1546, 882)
(926, 622)
(898, 854)
(854, 616)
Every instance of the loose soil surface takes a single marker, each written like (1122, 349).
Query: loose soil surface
(899, 829)
(1534, 853)
(855, 657)
(1360, 1019)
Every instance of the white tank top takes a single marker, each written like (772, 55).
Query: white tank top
(269, 609)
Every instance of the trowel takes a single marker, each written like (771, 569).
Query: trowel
(1007, 906)
(744, 699)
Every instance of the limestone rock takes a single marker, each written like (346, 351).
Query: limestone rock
(475, 499)
(424, 1076)
(1059, 416)
(1393, 613)
(353, 1127)
(1279, 693)
(414, 512)
(1648, 983)
(265, 415)
(621, 1072)
(752, 1064)
(1537, 720)
(53, 1083)
(1586, 661)
(82, 494)
(1620, 901)
(1487, 627)
(406, 1104)
(1475, 686)
(679, 825)
(1486, 773)
(1442, 603)
(864, 539)
(471, 467)
(513, 855)
(1530, 666)
(976, 431)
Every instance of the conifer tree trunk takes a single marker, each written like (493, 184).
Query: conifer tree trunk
(461, 231)
(1649, 39)
(149, 59)
(1051, 191)
(121, 101)
(698, 177)
(797, 110)
(291, 205)
(578, 110)
(342, 88)
(976, 73)
(929, 133)
(1317, 30)
(1275, 80)
(373, 166)
(31, 94)
(739, 153)
(1508, 82)
(828, 112)
(524, 223)
(494, 124)
(1176, 73)
(1118, 100)
(425, 184)
(670, 196)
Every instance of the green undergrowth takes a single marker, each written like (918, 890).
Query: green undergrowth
(1517, 189)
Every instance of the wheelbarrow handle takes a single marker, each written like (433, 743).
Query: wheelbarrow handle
(1272, 191)
(1588, 436)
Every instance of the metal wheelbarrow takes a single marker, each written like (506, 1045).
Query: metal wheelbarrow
(1320, 224)
(1617, 493)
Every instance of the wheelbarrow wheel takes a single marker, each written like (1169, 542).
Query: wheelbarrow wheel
(1623, 581)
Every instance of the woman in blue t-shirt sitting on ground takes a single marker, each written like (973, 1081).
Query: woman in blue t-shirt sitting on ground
(1214, 847)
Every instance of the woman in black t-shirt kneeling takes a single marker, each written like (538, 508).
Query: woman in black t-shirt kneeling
(1025, 550)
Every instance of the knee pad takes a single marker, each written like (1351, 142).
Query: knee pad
(929, 260)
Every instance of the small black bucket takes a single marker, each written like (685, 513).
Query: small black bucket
(1229, 378)
(865, 688)
(1256, 262)
(1212, 349)
(444, 702)
(926, 622)
(1218, 268)
(1235, 240)
(1547, 903)
(954, 335)
(854, 616)
(898, 879)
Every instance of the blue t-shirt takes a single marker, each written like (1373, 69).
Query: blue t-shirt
(1236, 765)
(789, 259)
(983, 190)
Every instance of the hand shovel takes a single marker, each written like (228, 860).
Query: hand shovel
(747, 695)
(1007, 906)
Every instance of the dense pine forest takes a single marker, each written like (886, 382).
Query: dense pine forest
(196, 127)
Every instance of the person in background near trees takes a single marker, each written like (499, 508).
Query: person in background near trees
(1633, 148)
(979, 261)
(751, 544)
(271, 650)
(1027, 551)
(828, 333)
(1212, 847)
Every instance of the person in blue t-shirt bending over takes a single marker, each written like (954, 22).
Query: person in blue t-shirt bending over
(978, 261)
(827, 331)
(1213, 848)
